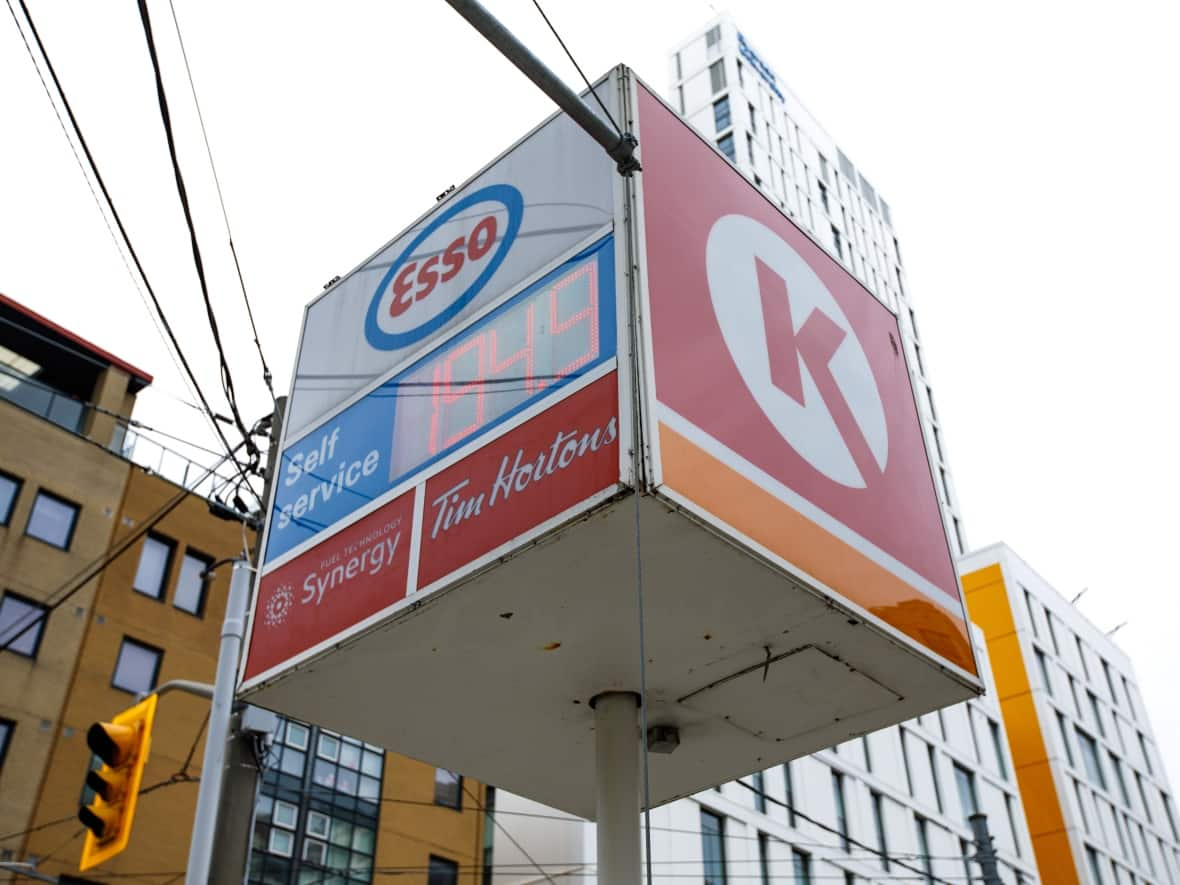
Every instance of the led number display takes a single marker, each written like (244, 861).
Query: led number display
(551, 333)
(547, 335)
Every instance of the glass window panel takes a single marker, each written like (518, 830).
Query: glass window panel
(190, 585)
(297, 735)
(52, 520)
(136, 667)
(313, 851)
(281, 843)
(317, 824)
(446, 872)
(329, 747)
(360, 866)
(324, 774)
(263, 807)
(152, 573)
(448, 788)
(9, 488)
(341, 832)
(21, 624)
(337, 859)
(285, 814)
(346, 781)
(350, 756)
(292, 762)
(363, 839)
(371, 763)
(370, 788)
(713, 847)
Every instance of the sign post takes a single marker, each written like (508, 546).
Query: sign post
(617, 769)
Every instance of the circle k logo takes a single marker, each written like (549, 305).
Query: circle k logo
(444, 267)
(796, 351)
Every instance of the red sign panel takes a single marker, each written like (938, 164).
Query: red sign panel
(777, 372)
(353, 574)
(531, 474)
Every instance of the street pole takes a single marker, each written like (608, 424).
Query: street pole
(985, 849)
(619, 146)
(617, 771)
(233, 630)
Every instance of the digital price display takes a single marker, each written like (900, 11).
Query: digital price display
(551, 333)
(541, 339)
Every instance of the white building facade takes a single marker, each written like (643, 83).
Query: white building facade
(1098, 798)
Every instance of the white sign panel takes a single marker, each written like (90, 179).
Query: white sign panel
(537, 201)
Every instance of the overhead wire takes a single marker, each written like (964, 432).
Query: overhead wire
(77, 130)
(577, 67)
(99, 564)
(266, 373)
(227, 381)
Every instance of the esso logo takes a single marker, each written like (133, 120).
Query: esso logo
(444, 267)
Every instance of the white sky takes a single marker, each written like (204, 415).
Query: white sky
(1028, 151)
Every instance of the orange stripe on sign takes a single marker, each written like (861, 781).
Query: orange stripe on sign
(750, 509)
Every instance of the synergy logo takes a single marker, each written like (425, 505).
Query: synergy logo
(444, 267)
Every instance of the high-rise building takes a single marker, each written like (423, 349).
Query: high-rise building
(890, 805)
(731, 94)
(1096, 795)
(78, 649)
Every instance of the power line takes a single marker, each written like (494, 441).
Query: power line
(266, 374)
(227, 381)
(115, 215)
(577, 67)
(97, 566)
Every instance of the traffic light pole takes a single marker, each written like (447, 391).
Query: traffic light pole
(233, 630)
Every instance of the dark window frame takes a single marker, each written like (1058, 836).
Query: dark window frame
(38, 626)
(155, 672)
(166, 578)
(445, 867)
(19, 483)
(718, 864)
(11, 726)
(204, 592)
(458, 786)
(61, 499)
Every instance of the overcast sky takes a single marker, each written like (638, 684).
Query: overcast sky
(1028, 151)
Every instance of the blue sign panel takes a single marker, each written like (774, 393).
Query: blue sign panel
(552, 332)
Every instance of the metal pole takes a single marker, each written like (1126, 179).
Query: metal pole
(620, 147)
(617, 746)
(213, 766)
(985, 849)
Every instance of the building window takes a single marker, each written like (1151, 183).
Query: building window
(1117, 766)
(1043, 669)
(1012, 823)
(725, 145)
(9, 489)
(7, 727)
(823, 197)
(968, 800)
(759, 792)
(753, 118)
(924, 849)
(1097, 711)
(1082, 656)
(1127, 693)
(841, 811)
(750, 147)
(1090, 760)
(442, 871)
(789, 792)
(930, 759)
(764, 858)
(1114, 698)
(155, 560)
(713, 37)
(713, 847)
(191, 584)
(905, 760)
(1166, 800)
(879, 825)
(22, 623)
(1065, 739)
(717, 76)
(1143, 799)
(998, 748)
(802, 864)
(448, 788)
(52, 520)
(1095, 870)
(837, 242)
(1146, 750)
(137, 667)
(741, 73)
(679, 70)
(722, 118)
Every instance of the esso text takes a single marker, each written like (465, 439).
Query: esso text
(417, 279)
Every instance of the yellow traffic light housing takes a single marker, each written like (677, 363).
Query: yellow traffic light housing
(122, 745)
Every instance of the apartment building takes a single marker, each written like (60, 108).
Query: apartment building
(331, 808)
(1099, 805)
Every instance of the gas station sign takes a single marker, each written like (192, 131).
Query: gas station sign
(681, 397)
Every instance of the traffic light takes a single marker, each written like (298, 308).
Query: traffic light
(123, 746)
